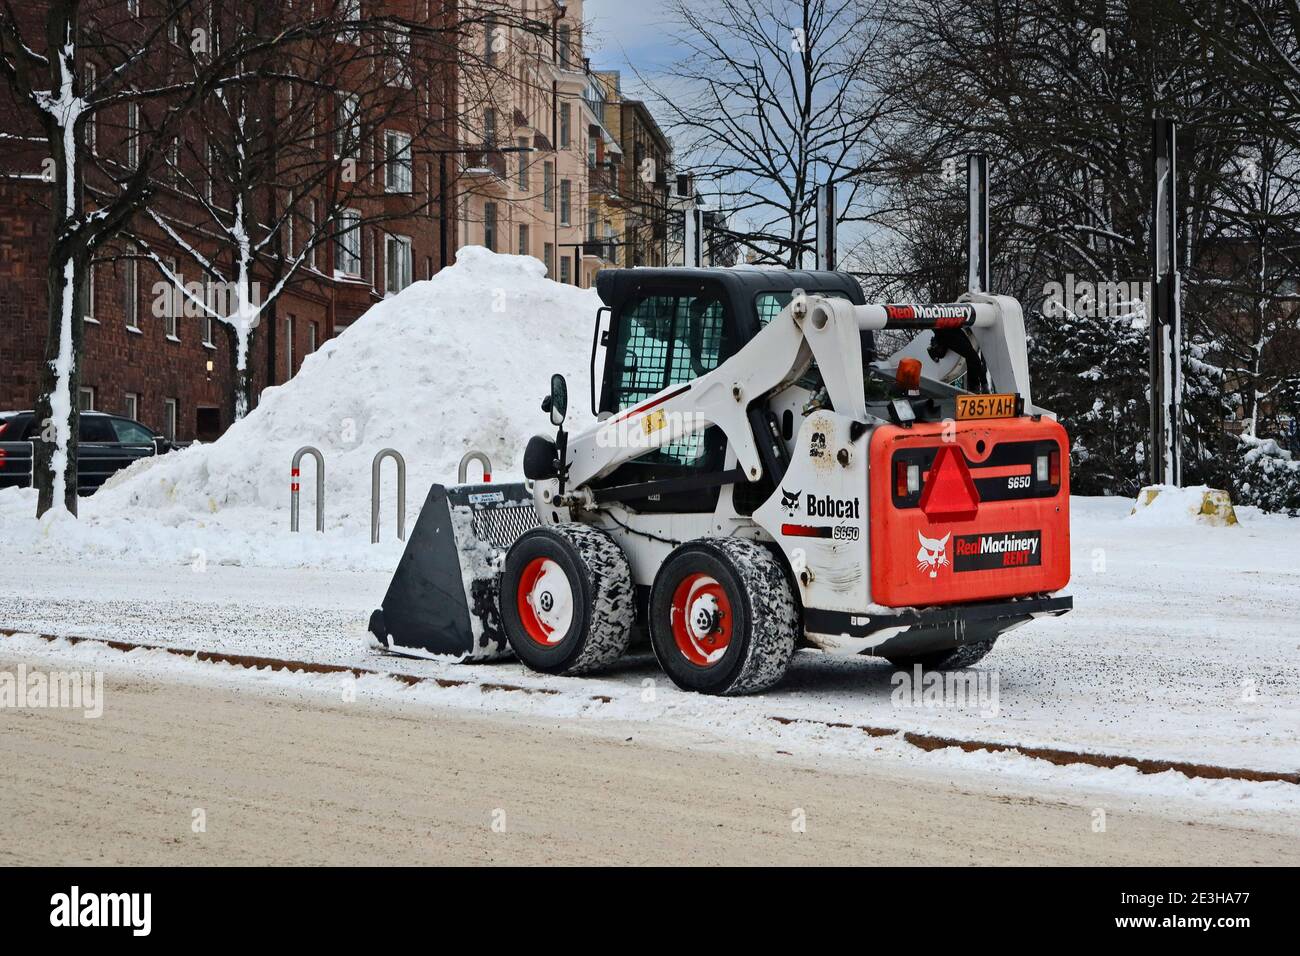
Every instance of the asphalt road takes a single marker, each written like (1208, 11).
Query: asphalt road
(296, 779)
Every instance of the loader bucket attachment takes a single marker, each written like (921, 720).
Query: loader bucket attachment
(443, 597)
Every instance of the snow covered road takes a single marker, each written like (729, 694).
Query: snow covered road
(1184, 645)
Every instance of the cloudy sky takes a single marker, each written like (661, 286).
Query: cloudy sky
(623, 33)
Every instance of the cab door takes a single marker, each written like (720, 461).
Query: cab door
(659, 340)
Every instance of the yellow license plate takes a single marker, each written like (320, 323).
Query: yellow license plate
(986, 406)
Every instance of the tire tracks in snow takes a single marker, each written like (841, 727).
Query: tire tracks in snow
(926, 742)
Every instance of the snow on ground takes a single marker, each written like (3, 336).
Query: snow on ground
(1183, 646)
(454, 363)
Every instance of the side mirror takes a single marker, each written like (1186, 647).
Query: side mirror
(559, 400)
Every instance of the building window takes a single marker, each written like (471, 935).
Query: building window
(88, 294)
(347, 133)
(130, 295)
(311, 234)
(86, 398)
(491, 40)
(522, 143)
(211, 173)
(397, 169)
(132, 134)
(489, 127)
(92, 125)
(592, 155)
(548, 186)
(289, 325)
(548, 257)
(564, 41)
(565, 274)
(171, 409)
(490, 225)
(350, 11)
(347, 246)
(207, 329)
(399, 64)
(131, 407)
(170, 315)
(397, 258)
(566, 202)
(566, 125)
(523, 240)
(313, 332)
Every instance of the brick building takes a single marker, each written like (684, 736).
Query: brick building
(584, 188)
(174, 368)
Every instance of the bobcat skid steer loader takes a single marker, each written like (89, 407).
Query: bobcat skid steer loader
(755, 482)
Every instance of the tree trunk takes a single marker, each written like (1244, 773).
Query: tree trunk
(61, 261)
(54, 468)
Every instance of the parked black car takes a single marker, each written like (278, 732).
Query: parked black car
(108, 443)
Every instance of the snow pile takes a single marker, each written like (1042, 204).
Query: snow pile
(1168, 505)
(455, 363)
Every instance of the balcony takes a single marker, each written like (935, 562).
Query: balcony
(484, 163)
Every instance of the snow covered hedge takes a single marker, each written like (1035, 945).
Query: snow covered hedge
(1092, 371)
(1266, 476)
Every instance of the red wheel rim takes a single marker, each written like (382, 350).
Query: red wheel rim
(701, 619)
(545, 602)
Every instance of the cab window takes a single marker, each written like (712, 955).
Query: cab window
(667, 340)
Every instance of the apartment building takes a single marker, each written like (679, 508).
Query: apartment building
(523, 181)
(175, 370)
(630, 187)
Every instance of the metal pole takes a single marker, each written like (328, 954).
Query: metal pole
(295, 472)
(977, 223)
(827, 228)
(374, 493)
(1165, 446)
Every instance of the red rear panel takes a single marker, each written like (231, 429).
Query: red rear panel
(985, 515)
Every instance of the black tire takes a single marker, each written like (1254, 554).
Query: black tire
(952, 659)
(750, 602)
(600, 593)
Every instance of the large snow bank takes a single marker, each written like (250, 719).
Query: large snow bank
(454, 363)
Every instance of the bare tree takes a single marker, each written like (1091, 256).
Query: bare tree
(773, 98)
(117, 65)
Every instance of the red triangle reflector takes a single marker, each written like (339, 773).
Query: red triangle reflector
(950, 492)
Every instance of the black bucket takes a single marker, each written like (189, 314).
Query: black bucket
(443, 597)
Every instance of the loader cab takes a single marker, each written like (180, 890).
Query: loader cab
(669, 326)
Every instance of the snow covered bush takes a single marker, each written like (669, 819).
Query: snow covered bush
(1092, 371)
(1266, 476)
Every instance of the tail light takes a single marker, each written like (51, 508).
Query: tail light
(907, 479)
(1054, 467)
(1042, 468)
(3, 426)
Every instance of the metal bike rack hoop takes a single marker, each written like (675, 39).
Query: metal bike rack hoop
(462, 473)
(295, 472)
(374, 493)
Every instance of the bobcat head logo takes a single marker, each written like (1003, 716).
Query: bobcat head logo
(933, 554)
(790, 501)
